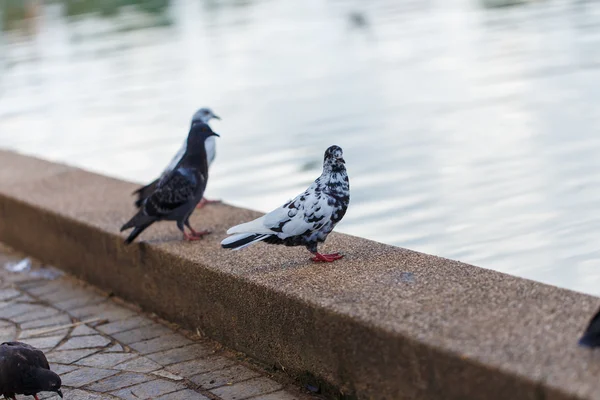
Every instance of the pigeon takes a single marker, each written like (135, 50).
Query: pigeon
(176, 195)
(25, 370)
(591, 337)
(203, 115)
(305, 220)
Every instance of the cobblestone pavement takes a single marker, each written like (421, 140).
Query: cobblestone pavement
(105, 349)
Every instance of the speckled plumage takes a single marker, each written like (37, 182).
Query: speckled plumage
(25, 370)
(176, 195)
(307, 219)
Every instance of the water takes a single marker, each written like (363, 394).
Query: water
(469, 132)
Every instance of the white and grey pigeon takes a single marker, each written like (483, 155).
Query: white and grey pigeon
(177, 194)
(305, 220)
(203, 115)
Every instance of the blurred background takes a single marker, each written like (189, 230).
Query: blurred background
(470, 128)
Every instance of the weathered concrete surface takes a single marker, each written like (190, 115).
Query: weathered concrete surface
(384, 322)
(93, 342)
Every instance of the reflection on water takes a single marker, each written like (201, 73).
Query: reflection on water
(470, 131)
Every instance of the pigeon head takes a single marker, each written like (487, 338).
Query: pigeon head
(204, 115)
(198, 134)
(47, 381)
(334, 156)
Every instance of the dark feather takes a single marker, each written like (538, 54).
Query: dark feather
(25, 370)
(591, 336)
(175, 195)
(143, 192)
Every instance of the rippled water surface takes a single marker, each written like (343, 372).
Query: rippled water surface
(469, 132)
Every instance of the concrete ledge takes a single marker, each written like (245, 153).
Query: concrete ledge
(452, 331)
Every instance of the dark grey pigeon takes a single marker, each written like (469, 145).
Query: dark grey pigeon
(203, 115)
(306, 220)
(591, 336)
(177, 193)
(25, 370)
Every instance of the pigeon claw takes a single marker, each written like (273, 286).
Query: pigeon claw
(205, 201)
(326, 257)
(195, 235)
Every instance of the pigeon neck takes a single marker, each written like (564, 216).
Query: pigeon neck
(196, 153)
(334, 176)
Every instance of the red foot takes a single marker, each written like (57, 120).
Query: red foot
(205, 201)
(326, 257)
(35, 397)
(195, 235)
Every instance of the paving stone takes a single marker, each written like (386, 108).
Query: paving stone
(124, 325)
(83, 330)
(43, 287)
(178, 355)
(42, 332)
(169, 341)
(78, 394)
(62, 369)
(149, 390)
(8, 333)
(214, 379)
(69, 356)
(115, 348)
(5, 323)
(144, 333)
(8, 294)
(166, 374)
(246, 389)
(63, 292)
(24, 298)
(57, 320)
(20, 309)
(141, 364)
(185, 394)
(119, 381)
(84, 375)
(105, 311)
(82, 300)
(84, 342)
(104, 360)
(44, 342)
(194, 367)
(282, 395)
(40, 313)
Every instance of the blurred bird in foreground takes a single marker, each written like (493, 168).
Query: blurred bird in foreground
(591, 336)
(25, 370)
(203, 115)
(306, 220)
(175, 196)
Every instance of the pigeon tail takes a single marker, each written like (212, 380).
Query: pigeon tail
(144, 192)
(237, 242)
(136, 232)
(138, 220)
(590, 341)
(255, 226)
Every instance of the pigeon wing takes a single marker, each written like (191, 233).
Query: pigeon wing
(173, 192)
(31, 354)
(174, 161)
(211, 149)
(307, 212)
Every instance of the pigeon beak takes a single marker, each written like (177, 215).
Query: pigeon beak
(216, 117)
(342, 160)
(59, 393)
